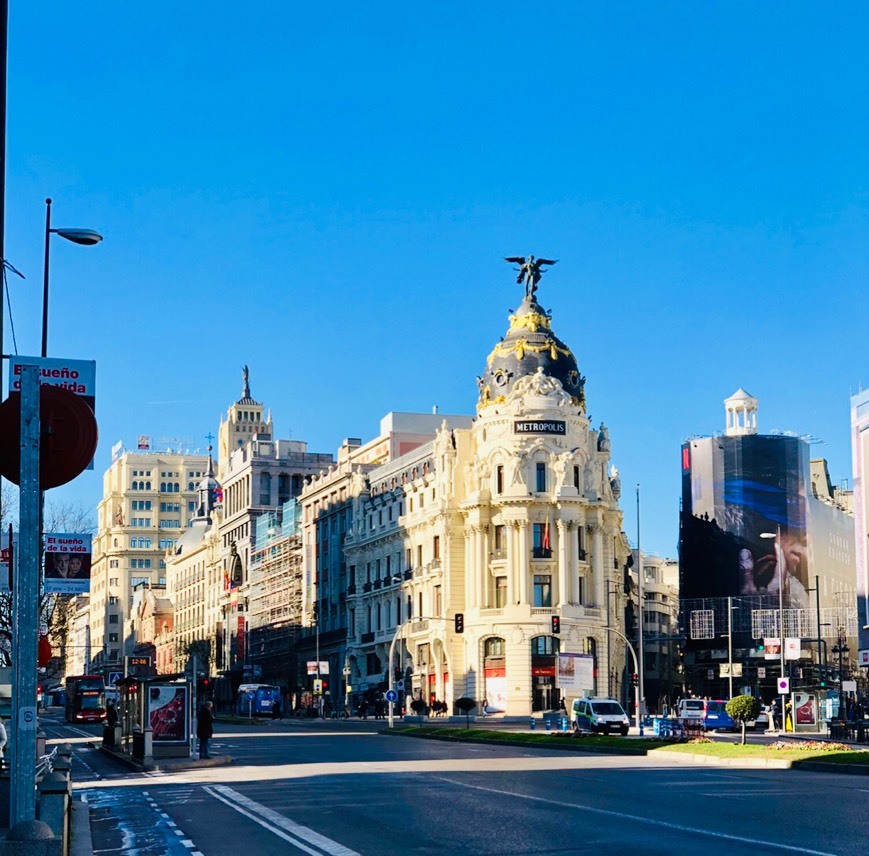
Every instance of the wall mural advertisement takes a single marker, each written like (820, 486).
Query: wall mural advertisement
(736, 489)
(168, 712)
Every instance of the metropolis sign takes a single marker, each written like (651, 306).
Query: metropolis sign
(539, 426)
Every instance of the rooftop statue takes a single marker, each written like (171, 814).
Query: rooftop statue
(529, 271)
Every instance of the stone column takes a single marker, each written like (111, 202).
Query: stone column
(512, 561)
(563, 594)
(524, 563)
(482, 570)
(469, 566)
(597, 564)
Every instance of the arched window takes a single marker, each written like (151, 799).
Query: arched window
(147, 486)
(493, 647)
(544, 646)
(162, 487)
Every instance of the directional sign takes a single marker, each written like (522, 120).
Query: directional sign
(114, 677)
(391, 695)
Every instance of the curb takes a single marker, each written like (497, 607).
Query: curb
(169, 765)
(81, 843)
(713, 761)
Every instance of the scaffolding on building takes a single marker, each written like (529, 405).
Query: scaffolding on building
(276, 593)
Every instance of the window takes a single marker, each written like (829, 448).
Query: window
(419, 556)
(541, 477)
(436, 547)
(499, 479)
(114, 581)
(576, 477)
(544, 646)
(113, 619)
(265, 489)
(499, 537)
(542, 545)
(494, 647)
(113, 637)
(500, 592)
(542, 590)
(113, 600)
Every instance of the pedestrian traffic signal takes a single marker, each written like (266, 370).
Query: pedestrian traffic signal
(460, 622)
(635, 680)
(556, 624)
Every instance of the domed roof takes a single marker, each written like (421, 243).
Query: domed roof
(528, 346)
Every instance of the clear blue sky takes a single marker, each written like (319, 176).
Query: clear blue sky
(325, 192)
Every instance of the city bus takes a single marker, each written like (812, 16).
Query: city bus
(257, 699)
(85, 698)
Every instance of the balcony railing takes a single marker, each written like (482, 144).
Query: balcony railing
(366, 587)
(366, 637)
(351, 589)
(541, 553)
(408, 574)
(498, 554)
(377, 584)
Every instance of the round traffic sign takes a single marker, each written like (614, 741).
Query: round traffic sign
(391, 695)
(68, 436)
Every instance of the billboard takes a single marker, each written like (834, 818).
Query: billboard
(750, 524)
(576, 673)
(67, 563)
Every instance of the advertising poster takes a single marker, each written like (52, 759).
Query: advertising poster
(67, 563)
(772, 648)
(168, 712)
(576, 673)
(77, 376)
(804, 708)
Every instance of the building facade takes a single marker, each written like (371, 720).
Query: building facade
(860, 462)
(488, 551)
(766, 538)
(149, 499)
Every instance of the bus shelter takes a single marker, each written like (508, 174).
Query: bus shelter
(156, 716)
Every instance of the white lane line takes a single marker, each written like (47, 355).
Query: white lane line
(278, 824)
(648, 820)
(187, 843)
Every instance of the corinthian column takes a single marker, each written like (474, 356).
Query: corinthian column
(563, 579)
(524, 562)
(510, 533)
(597, 564)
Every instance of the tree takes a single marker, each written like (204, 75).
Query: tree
(742, 709)
(466, 705)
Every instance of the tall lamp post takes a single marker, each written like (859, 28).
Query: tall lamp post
(83, 237)
(841, 648)
(781, 567)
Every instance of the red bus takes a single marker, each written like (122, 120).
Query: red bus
(85, 699)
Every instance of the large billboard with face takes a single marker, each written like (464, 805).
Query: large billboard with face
(750, 523)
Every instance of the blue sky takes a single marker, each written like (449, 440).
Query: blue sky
(325, 193)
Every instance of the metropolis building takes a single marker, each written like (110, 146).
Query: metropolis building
(506, 523)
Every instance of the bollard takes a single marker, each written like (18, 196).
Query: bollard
(32, 838)
(532, 725)
(55, 793)
(547, 722)
(564, 723)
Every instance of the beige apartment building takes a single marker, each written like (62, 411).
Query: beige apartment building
(149, 499)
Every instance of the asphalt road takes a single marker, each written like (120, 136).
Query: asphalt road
(340, 788)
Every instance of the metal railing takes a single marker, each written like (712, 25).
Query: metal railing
(45, 764)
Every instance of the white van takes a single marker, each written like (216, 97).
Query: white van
(603, 715)
(692, 708)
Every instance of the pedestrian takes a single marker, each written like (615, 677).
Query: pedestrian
(111, 715)
(276, 710)
(3, 740)
(205, 728)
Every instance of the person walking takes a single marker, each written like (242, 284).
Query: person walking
(205, 728)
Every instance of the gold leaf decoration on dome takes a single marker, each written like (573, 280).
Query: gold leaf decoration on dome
(532, 321)
(520, 346)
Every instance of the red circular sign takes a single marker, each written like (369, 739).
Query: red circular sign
(68, 436)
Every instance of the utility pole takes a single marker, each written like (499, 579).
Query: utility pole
(641, 709)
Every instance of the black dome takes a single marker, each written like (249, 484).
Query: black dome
(529, 344)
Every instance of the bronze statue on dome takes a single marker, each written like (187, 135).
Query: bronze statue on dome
(529, 271)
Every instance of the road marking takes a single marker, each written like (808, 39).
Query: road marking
(648, 820)
(278, 824)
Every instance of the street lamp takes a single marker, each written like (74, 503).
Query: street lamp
(782, 569)
(841, 648)
(83, 237)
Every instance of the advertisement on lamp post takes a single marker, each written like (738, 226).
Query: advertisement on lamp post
(67, 563)
(168, 712)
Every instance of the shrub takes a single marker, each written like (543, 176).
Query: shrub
(742, 709)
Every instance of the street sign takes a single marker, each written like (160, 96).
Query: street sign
(784, 686)
(114, 677)
(391, 695)
(761, 671)
(399, 685)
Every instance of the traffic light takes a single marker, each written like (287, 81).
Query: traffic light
(460, 622)
(635, 680)
(556, 624)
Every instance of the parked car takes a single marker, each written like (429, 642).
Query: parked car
(601, 715)
(762, 721)
(710, 714)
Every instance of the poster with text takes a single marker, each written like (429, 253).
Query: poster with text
(576, 673)
(67, 563)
